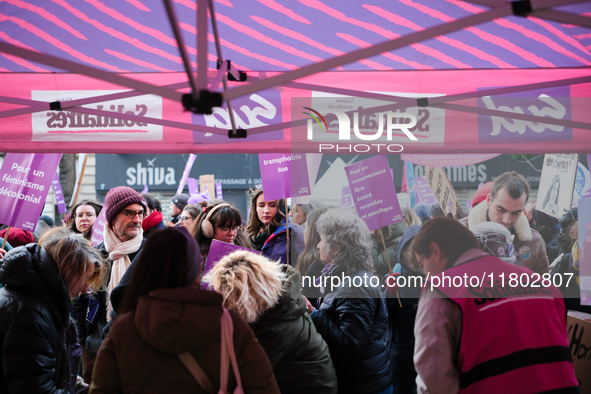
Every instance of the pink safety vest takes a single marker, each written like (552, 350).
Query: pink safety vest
(513, 339)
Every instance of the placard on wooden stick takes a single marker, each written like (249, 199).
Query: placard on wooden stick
(442, 190)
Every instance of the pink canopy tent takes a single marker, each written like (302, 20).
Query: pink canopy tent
(484, 76)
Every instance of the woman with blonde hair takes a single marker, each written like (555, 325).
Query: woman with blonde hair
(267, 295)
(267, 229)
(39, 350)
(410, 217)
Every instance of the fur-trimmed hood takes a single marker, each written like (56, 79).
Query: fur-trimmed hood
(521, 227)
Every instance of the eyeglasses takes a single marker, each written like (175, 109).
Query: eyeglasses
(88, 215)
(131, 214)
(183, 219)
(227, 229)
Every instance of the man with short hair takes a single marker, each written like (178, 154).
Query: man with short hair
(505, 205)
(492, 337)
(177, 204)
(122, 240)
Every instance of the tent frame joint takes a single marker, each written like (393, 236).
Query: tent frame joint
(204, 104)
(240, 133)
(521, 7)
(55, 106)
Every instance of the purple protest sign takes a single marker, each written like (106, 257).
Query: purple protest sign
(59, 194)
(145, 189)
(218, 191)
(193, 186)
(217, 251)
(24, 183)
(374, 193)
(284, 175)
(346, 198)
(424, 192)
(188, 167)
(96, 237)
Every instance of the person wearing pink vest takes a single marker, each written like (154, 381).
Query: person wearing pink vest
(474, 336)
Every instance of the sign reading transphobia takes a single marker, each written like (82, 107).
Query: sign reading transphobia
(24, 182)
(374, 193)
(59, 194)
(96, 237)
(217, 251)
(284, 175)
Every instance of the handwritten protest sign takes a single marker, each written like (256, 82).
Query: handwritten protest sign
(442, 190)
(207, 182)
(557, 183)
(186, 172)
(217, 251)
(24, 183)
(374, 194)
(59, 194)
(284, 175)
(96, 237)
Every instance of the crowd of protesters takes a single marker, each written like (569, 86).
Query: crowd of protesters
(132, 315)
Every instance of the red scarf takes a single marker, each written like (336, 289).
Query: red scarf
(152, 220)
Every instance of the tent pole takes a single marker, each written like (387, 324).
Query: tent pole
(93, 72)
(202, 31)
(182, 48)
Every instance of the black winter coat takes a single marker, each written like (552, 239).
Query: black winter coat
(299, 356)
(36, 332)
(89, 311)
(353, 320)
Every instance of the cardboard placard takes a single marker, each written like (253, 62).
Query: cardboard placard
(578, 326)
(442, 190)
(557, 183)
(207, 182)
(284, 175)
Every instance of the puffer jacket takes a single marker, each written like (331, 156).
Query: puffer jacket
(36, 332)
(354, 323)
(140, 353)
(275, 247)
(299, 356)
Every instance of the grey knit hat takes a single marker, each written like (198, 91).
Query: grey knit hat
(495, 239)
(314, 204)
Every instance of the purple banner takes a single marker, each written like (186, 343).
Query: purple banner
(96, 237)
(279, 181)
(24, 182)
(218, 191)
(374, 193)
(193, 186)
(217, 251)
(424, 192)
(188, 167)
(145, 189)
(59, 194)
(346, 198)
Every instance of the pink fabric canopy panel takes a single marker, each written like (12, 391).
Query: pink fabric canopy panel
(114, 74)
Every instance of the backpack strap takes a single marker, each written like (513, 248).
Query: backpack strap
(228, 354)
(197, 371)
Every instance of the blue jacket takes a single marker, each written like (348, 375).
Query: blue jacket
(275, 247)
(353, 320)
